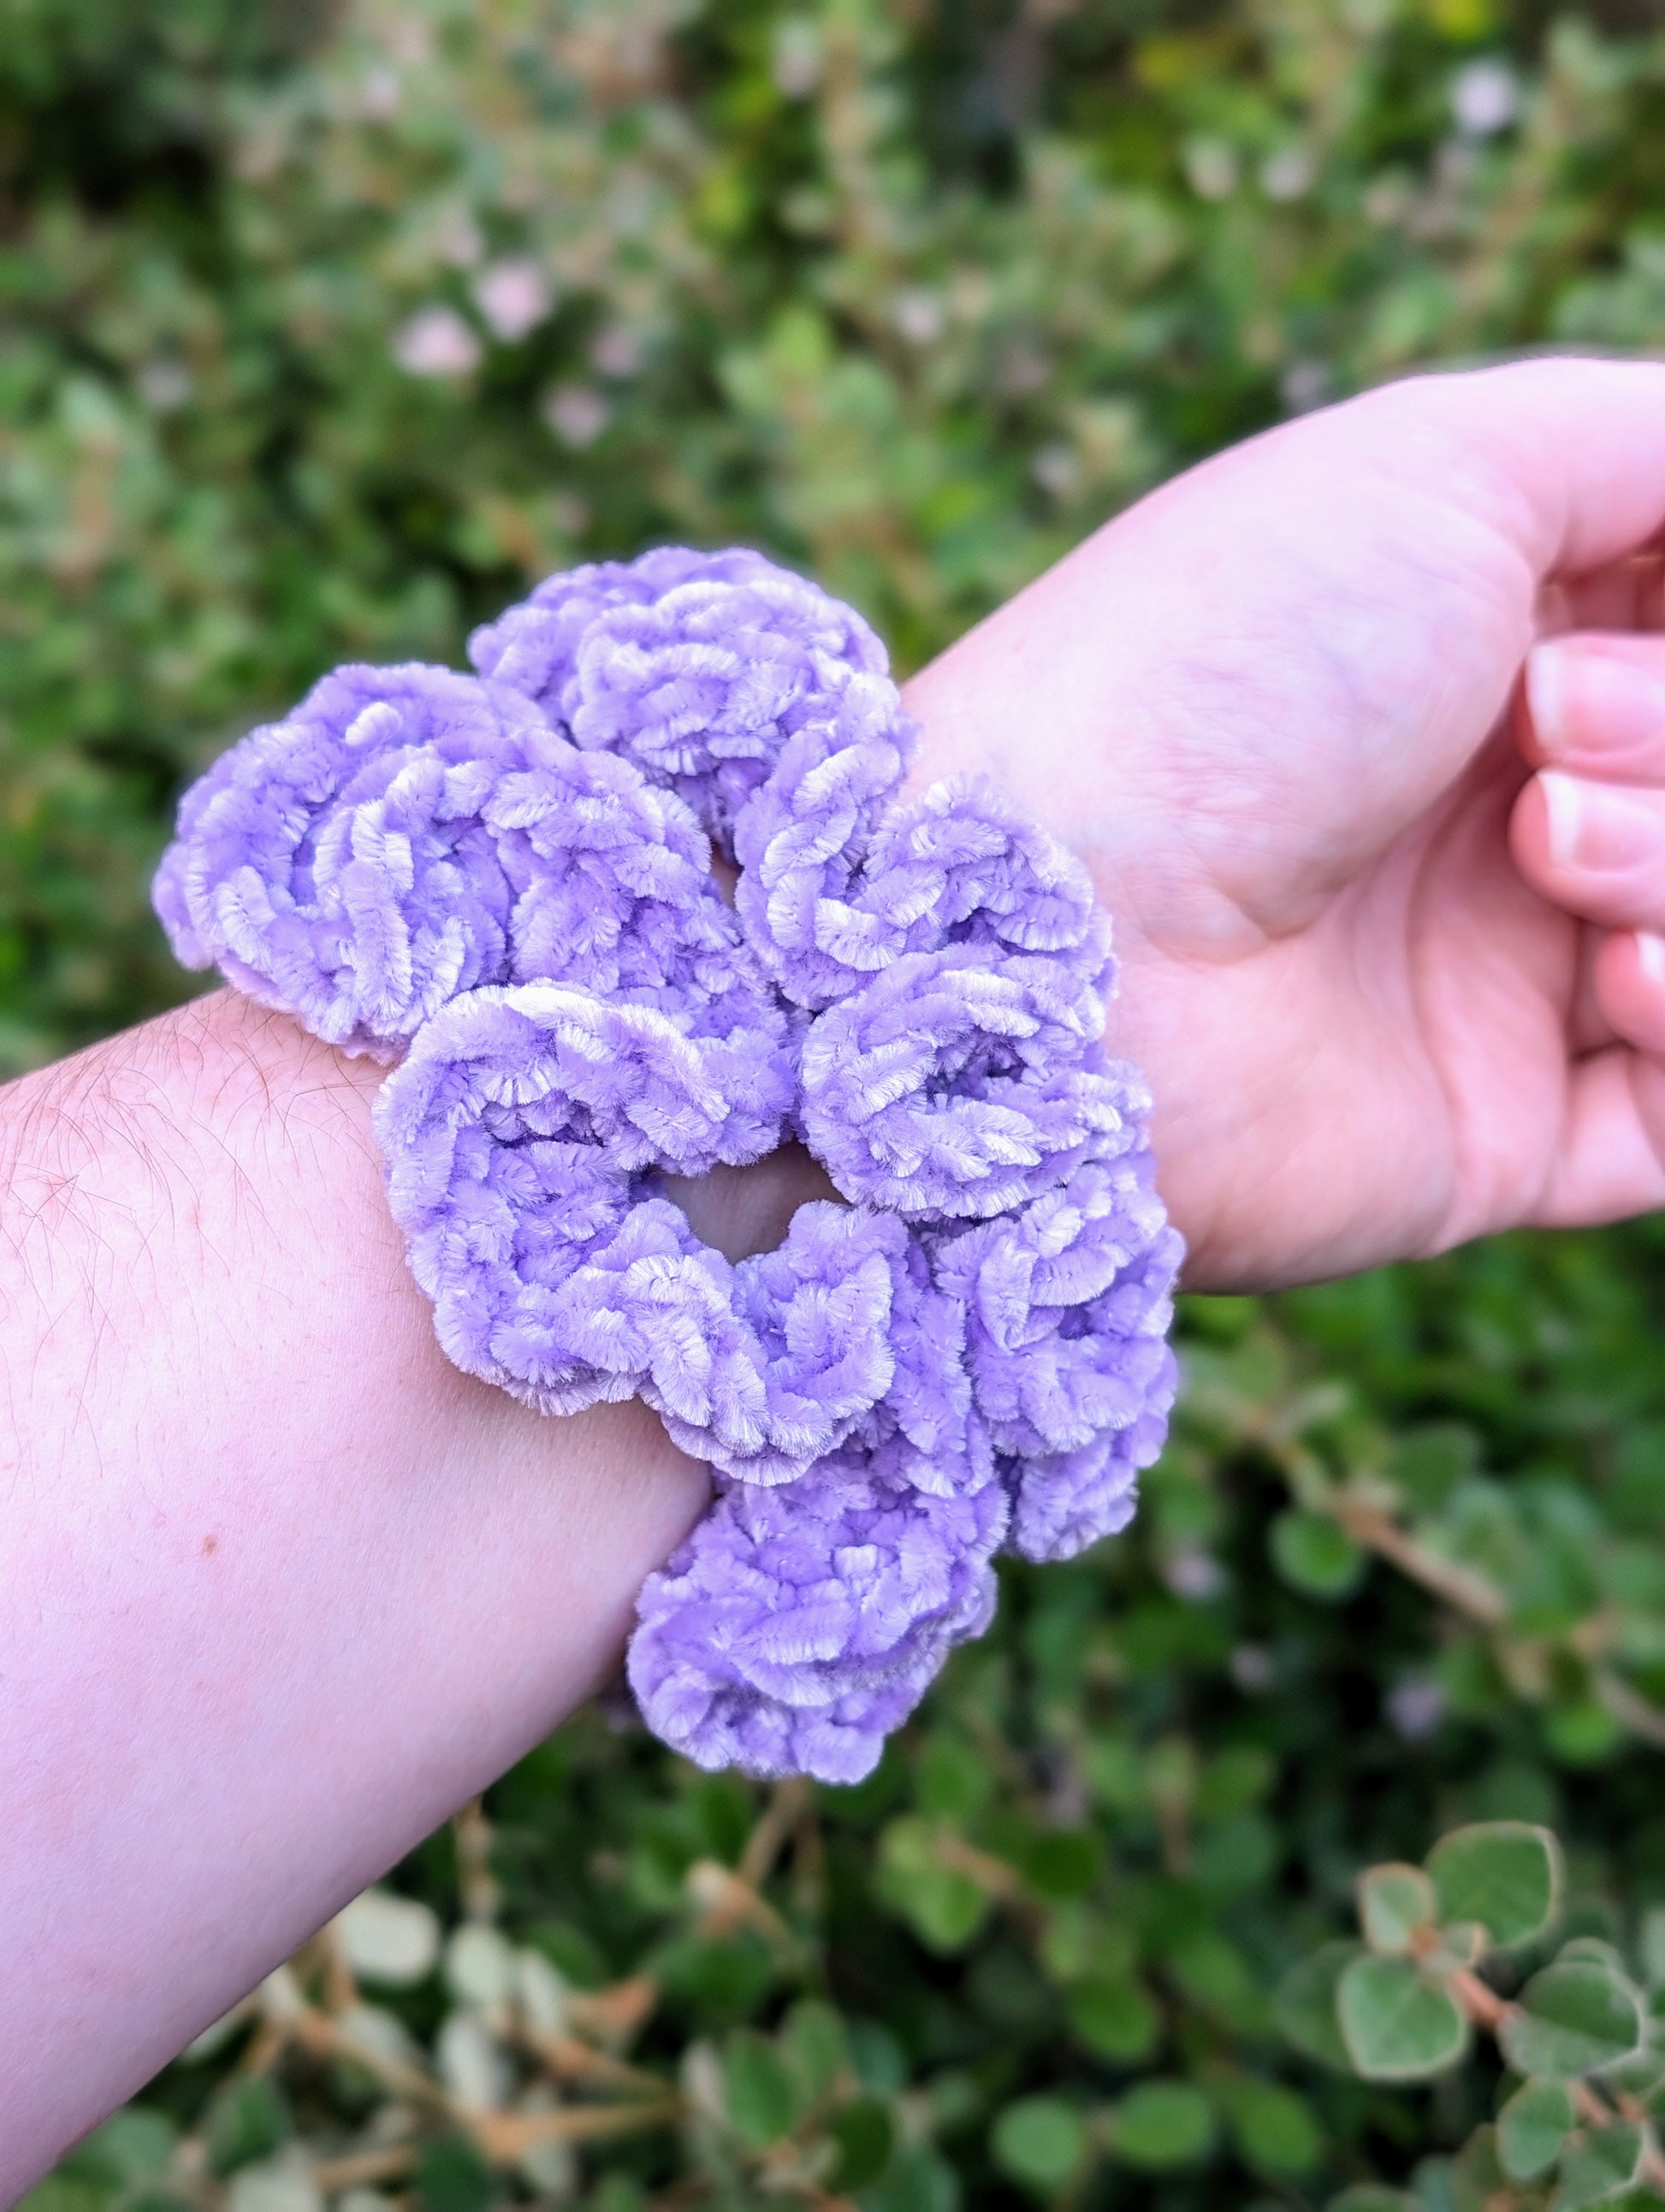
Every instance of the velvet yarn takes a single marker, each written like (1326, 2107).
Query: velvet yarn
(639, 896)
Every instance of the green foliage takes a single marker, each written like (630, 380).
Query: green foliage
(1161, 2124)
(1575, 2018)
(1396, 1905)
(1397, 2026)
(1532, 2126)
(1581, 2037)
(915, 296)
(1039, 2141)
(1503, 1875)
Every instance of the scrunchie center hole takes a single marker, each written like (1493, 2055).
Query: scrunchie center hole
(743, 1211)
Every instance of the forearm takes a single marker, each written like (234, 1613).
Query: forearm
(279, 1587)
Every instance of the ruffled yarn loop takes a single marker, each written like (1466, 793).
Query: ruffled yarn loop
(505, 883)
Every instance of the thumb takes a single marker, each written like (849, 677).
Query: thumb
(1565, 457)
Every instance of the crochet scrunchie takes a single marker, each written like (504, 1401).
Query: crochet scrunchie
(638, 897)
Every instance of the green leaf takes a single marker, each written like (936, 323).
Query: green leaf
(1063, 1862)
(864, 2134)
(67, 2192)
(1653, 1943)
(1277, 2130)
(1396, 1905)
(1477, 2175)
(1504, 1874)
(1213, 1973)
(1396, 2026)
(1113, 2016)
(1426, 1464)
(1532, 2127)
(248, 2120)
(1314, 1555)
(1372, 2196)
(1304, 2005)
(1161, 2124)
(1040, 2141)
(757, 2090)
(452, 2177)
(1593, 1950)
(133, 2147)
(917, 2180)
(1572, 2020)
(812, 2038)
(1602, 2163)
(943, 1908)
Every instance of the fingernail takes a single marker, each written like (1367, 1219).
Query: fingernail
(1595, 825)
(1651, 955)
(1593, 701)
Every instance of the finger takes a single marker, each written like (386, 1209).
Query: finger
(1629, 981)
(1595, 705)
(1564, 458)
(1610, 1162)
(1595, 849)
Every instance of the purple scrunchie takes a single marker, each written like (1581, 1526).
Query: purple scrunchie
(505, 883)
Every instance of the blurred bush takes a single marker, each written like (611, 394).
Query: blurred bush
(327, 329)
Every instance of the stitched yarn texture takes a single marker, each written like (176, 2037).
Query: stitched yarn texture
(504, 884)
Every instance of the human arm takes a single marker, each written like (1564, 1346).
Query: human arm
(279, 1587)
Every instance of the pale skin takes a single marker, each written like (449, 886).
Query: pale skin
(282, 1589)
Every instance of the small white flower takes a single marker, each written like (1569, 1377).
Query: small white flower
(1194, 1574)
(577, 414)
(1485, 98)
(918, 315)
(1022, 368)
(1416, 1707)
(1304, 385)
(1287, 175)
(1211, 169)
(436, 341)
(796, 64)
(456, 239)
(1057, 469)
(515, 297)
(378, 93)
(164, 385)
(615, 351)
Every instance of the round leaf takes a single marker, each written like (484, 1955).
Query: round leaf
(1304, 2006)
(1396, 2026)
(1504, 1874)
(1040, 2141)
(863, 2133)
(1161, 2124)
(1112, 2015)
(390, 1939)
(757, 2090)
(1314, 1555)
(1275, 2129)
(1532, 2127)
(1573, 2019)
(1602, 2164)
(1395, 1904)
(813, 2039)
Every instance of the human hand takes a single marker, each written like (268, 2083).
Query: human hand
(1278, 708)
